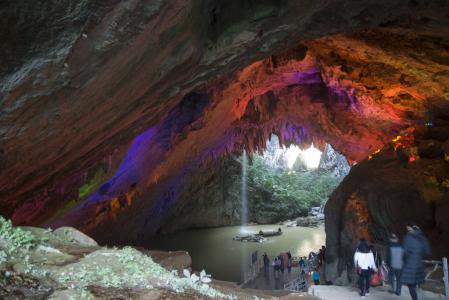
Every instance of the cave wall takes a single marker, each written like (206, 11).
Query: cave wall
(406, 182)
(210, 197)
(107, 106)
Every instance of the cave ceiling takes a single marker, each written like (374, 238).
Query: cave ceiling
(107, 105)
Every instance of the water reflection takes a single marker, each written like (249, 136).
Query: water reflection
(215, 251)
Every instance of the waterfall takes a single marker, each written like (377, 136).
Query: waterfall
(244, 190)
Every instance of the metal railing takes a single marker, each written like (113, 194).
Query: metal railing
(298, 284)
(252, 272)
(439, 264)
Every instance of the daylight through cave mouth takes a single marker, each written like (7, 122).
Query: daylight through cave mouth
(265, 188)
(284, 187)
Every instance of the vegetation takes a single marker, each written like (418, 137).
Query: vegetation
(38, 253)
(276, 193)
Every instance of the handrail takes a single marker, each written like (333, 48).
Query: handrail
(437, 263)
(297, 284)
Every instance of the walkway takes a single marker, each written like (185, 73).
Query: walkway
(331, 292)
(263, 283)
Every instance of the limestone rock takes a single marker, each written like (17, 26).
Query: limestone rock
(50, 256)
(310, 221)
(380, 196)
(71, 234)
(334, 162)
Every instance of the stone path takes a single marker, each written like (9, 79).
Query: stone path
(380, 293)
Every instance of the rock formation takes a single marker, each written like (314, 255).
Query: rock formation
(333, 162)
(383, 194)
(36, 263)
(106, 106)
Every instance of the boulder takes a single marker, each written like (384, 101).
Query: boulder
(311, 221)
(50, 256)
(74, 235)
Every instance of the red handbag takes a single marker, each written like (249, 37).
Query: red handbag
(375, 279)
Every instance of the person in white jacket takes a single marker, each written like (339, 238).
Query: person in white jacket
(364, 263)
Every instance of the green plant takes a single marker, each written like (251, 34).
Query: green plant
(278, 192)
(15, 238)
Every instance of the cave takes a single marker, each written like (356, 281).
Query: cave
(117, 116)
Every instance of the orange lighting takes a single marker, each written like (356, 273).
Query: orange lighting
(374, 153)
(396, 139)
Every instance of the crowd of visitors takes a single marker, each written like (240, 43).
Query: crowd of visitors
(309, 267)
(404, 262)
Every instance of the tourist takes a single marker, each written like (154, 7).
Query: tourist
(282, 263)
(289, 262)
(306, 265)
(416, 247)
(266, 264)
(316, 277)
(275, 265)
(320, 256)
(302, 263)
(278, 264)
(277, 273)
(395, 256)
(364, 263)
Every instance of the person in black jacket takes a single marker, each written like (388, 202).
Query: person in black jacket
(416, 247)
(266, 265)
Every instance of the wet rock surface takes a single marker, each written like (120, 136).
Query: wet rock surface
(382, 195)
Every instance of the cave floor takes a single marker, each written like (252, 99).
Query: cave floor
(331, 292)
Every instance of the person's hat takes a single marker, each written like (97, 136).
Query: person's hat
(393, 237)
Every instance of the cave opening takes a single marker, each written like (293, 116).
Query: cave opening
(122, 121)
(286, 188)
